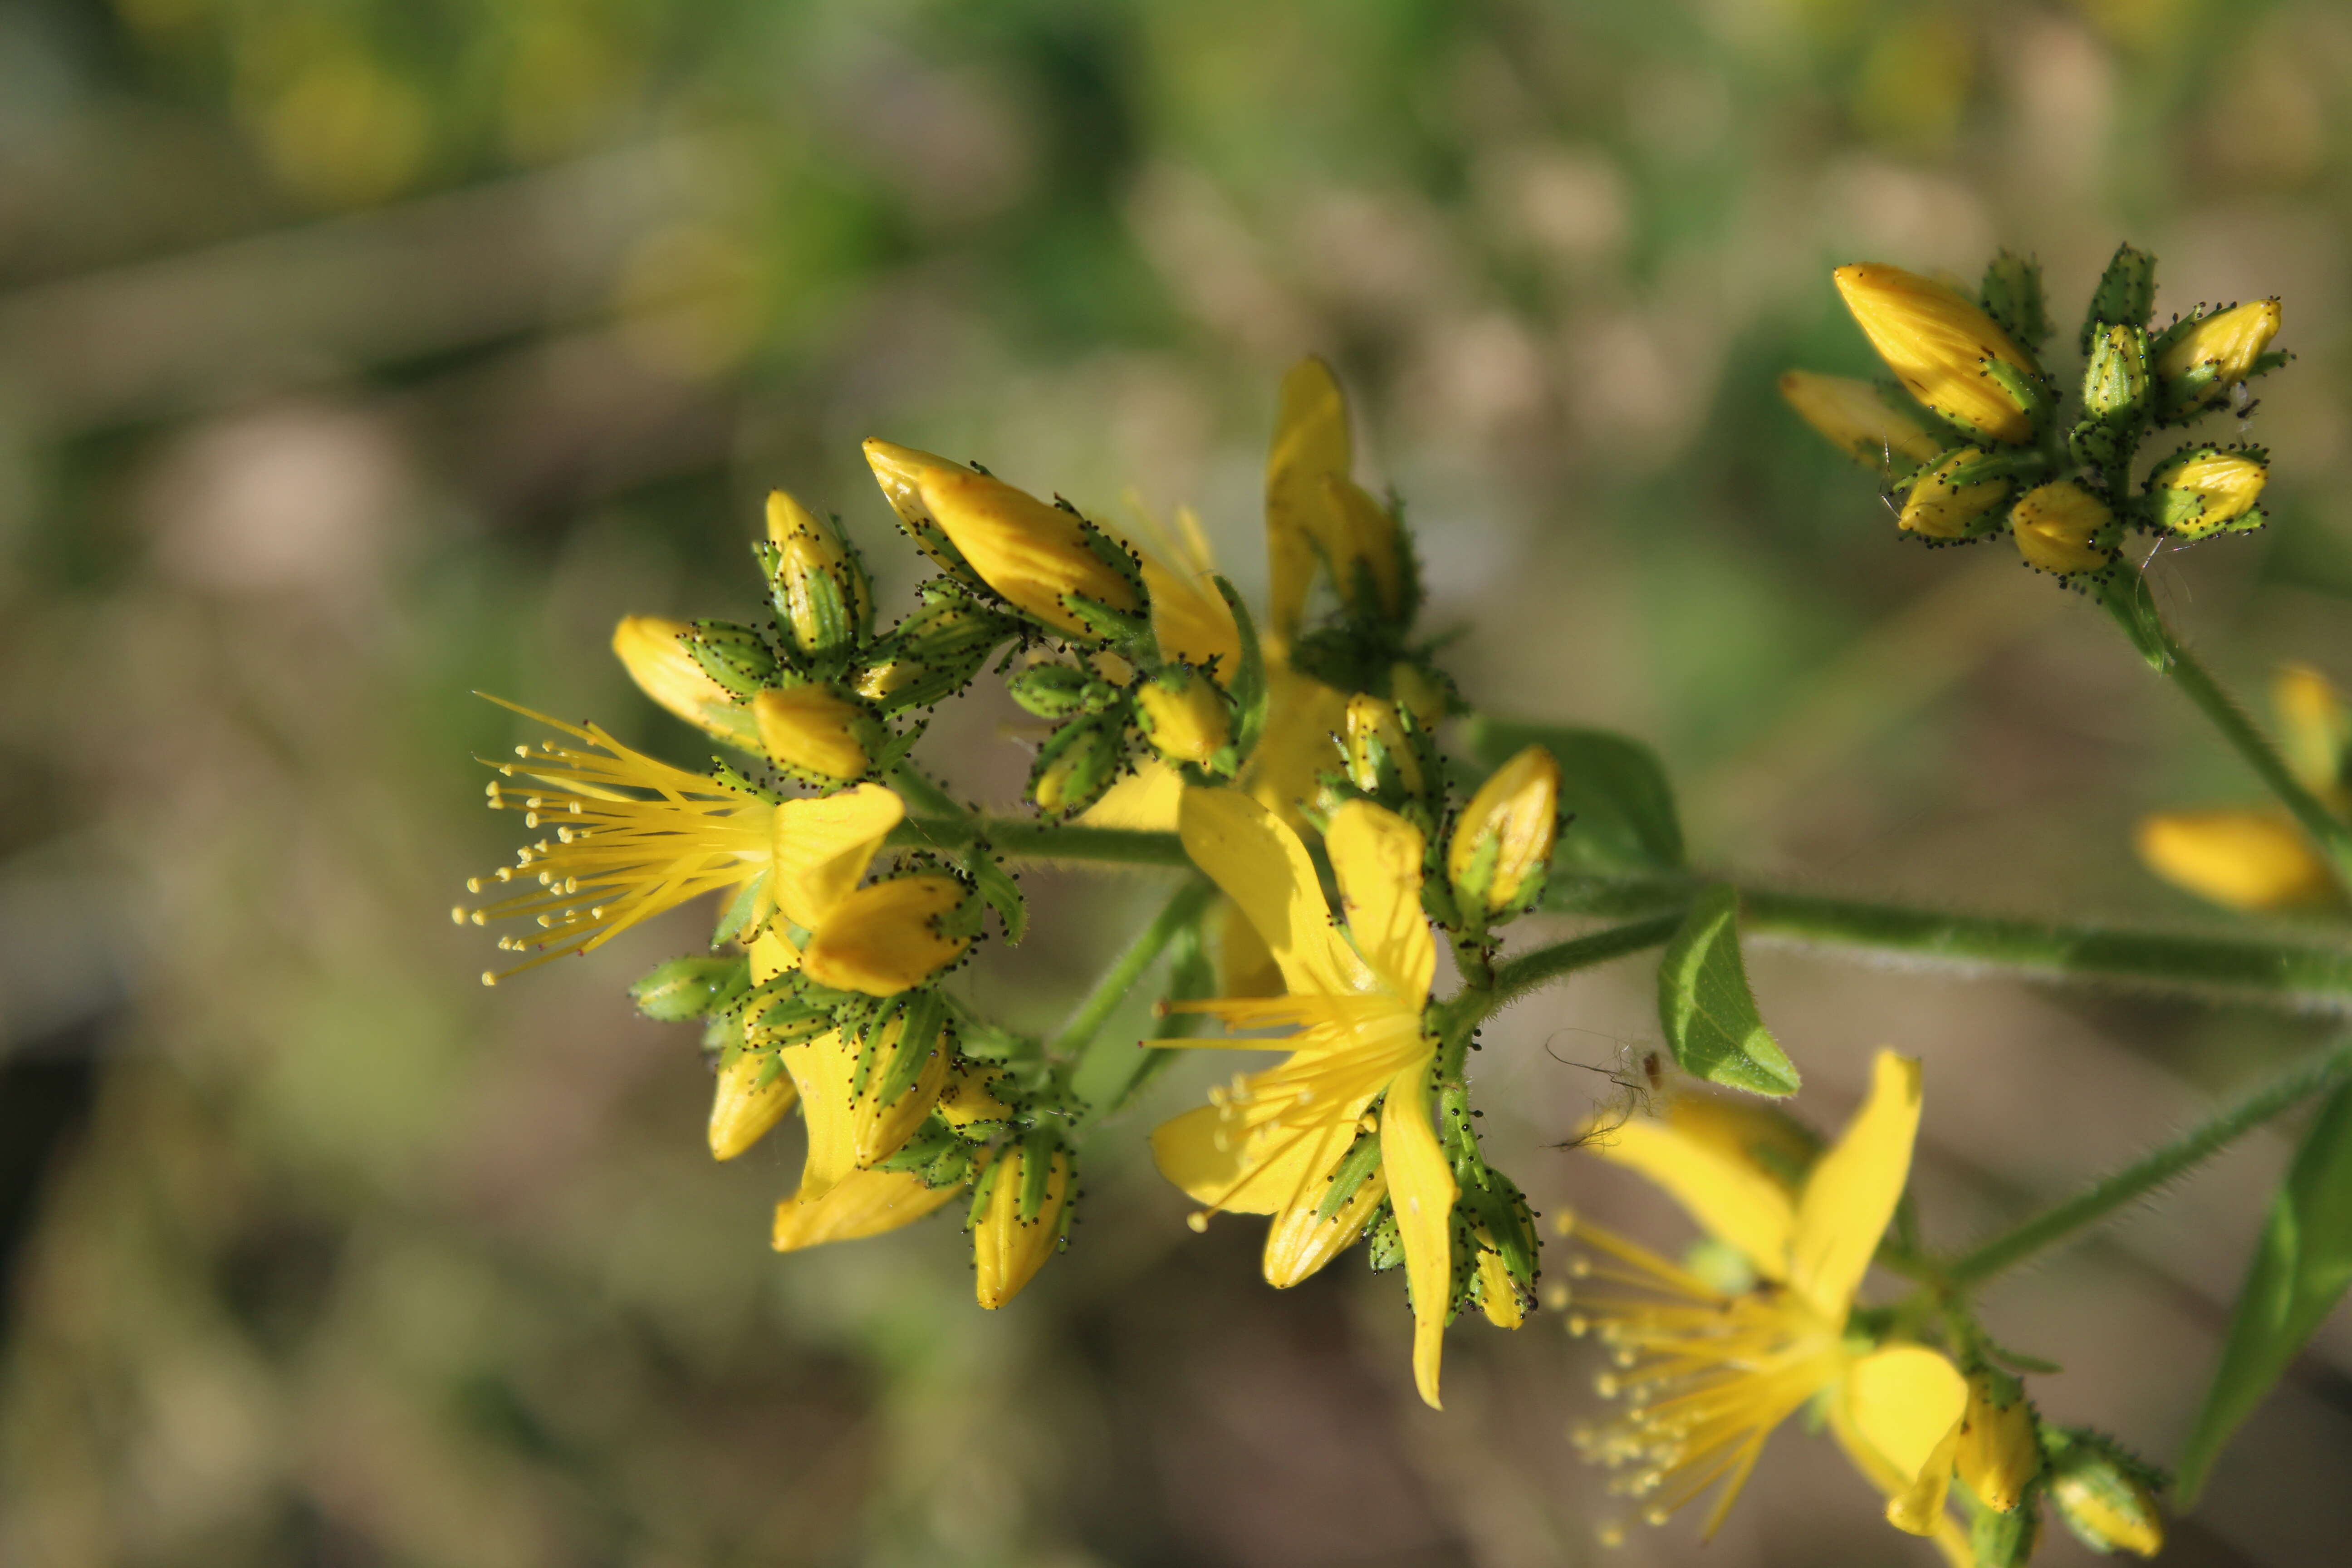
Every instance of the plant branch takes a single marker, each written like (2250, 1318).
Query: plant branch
(924, 794)
(1022, 839)
(1186, 905)
(2103, 1198)
(1517, 975)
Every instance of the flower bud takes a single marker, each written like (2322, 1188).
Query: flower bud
(2106, 1497)
(1060, 690)
(2240, 859)
(1051, 564)
(887, 937)
(1868, 423)
(824, 602)
(2000, 1452)
(2203, 491)
(900, 471)
(933, 653)
(970, 1103)
(1421, 692)
(862, 1204)
(813, 733)
(753, 1094)
(1502, 842)
(1940, 506)
(1020, 1212)
(1184, 716)
(1379, 756)
(1077, 762)
(2115, 381)
(1362, 543)
(2126, 294)
(2011, 292)
(2199, 357)
(688, 988)
(736, 657)
(1944, 350)
(655, 653)
(2314, 730)
(2056, 527)
(1500, 1296)
(906, 1067)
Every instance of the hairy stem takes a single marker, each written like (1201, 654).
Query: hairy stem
(2118, 1189)
(1517, 975)
(924, 794)
(2126, 598)
(1026, 841)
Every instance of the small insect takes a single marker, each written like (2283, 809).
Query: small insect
(1638, 1077)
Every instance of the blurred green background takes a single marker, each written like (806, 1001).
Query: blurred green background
(357, 354)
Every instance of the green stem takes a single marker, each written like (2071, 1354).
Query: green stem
(2153, 1170)
(2126, 598)
(924, 794)
(1186, 905)
(1517, 975)
(1022, 839)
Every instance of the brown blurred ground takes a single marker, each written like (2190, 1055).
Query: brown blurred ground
(352, 357)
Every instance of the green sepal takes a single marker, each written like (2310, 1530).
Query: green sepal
(935, 1155)
(934, 652)
(736, 657)
(1249, 690)
(2011, 294)
(747, 913)
(1038, 1153)
(1084, 758)
(999, 891)
(2005, 1540)
(1707, 1009)
(1383, 1243)
(2124, 297)
(1054, 691)
(1354, 1169)
(924, 1031)
(687, 988)
(2025, 388)
(1105, 624)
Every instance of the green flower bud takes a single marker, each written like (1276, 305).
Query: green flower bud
(2011, 293)
(824, 605)
(1380, 758)
(2106, 1495)
(2126, 294)
(2115, 381)
(1060, 690)
(1502, 843)
(933, 653)
(736, 657)
(1077, 762)
(688, 988)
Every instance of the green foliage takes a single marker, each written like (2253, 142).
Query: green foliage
(2300, 1271)
(1707, 1009)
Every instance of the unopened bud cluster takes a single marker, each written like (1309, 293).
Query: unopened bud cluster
(1973, 434)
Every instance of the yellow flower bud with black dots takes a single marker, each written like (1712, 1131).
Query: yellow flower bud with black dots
(824, 604)
(1185, 716)
(1946, 503)
(1379, 756)
(1999, 1450)
(1947, 353)
(933, 653)
(901, 471)
(1502, 842)
(970, 1104)
(2058, 526)
(1050, 564)
(2198, 359)
(2204, 489)
(654, 652)
(1077, 763)
(888, 937)
(754, 1093)
(2242, 859)
(815, 733)
(1020, 1215)
(1867, 422)
(862, 1204)
(2107, 1498)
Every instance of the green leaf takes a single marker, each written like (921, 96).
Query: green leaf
(1610, 785)
(2300, 1271)
(1707, 1009)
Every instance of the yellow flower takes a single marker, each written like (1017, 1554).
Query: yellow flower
(1269, 1144)
(1939, 344)
(654, 652)
(1936, 507)
(2055, 526)
(811, 733)
(1375, 747)
(633, 836)
(754, 1093)
(1190, 618)
(1019, 1218)
(1707, 1374)
(1861, 419)
(2242, 859)
(1039, 557)
(863, 1203)
(1503, 840)
(2213, 353)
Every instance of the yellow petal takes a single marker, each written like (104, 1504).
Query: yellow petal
(885, 938)
(652, 650)
(1209, 1154)
(2242, 859)
(753, 1094)
(1302, 716)
(1244, 966)
(1859, 420)
(1261, 865)
(1951, 1540)
(1498, 1291)
(1300, 1241)
(822, 1071)
(1376, 857)
(1938, 342)
(1734, 1200)
(773, 953)
(823, 846)
(865, 1202)
(1421, 1186)
(809, 730)
(1036, 556)
(1145, 800)
(1310, 443)
(1903, 1405)
(1191, 620)
(1854, 1190)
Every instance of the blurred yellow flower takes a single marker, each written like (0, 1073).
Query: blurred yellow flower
(863, 1203)
(1268, 1145)
(1861, 419)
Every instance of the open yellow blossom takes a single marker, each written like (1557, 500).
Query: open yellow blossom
(1705, 1375)
(1268, 1144)
(1939, 342)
